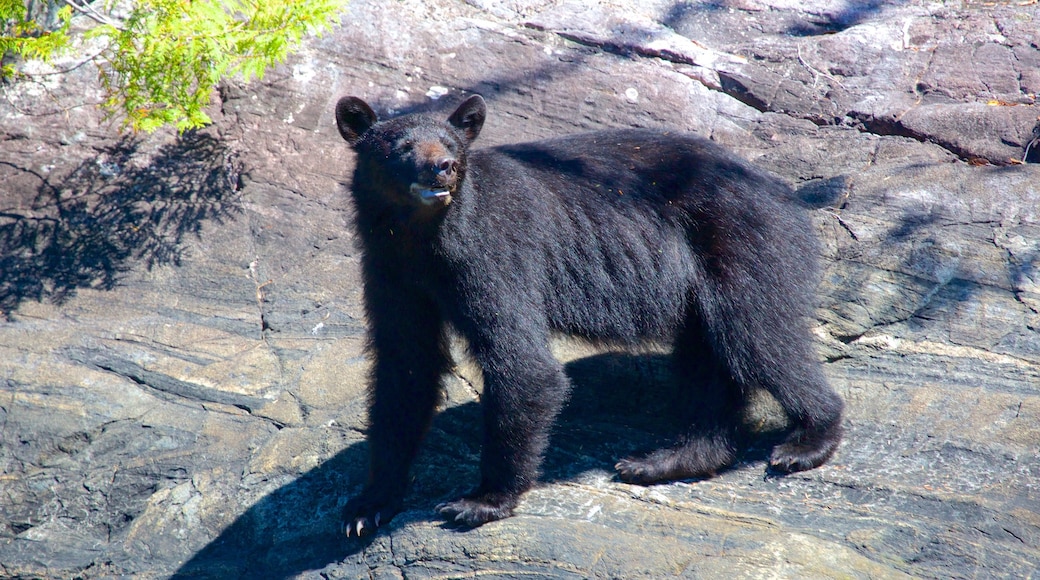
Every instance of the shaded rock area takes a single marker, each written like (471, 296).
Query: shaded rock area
(182, 371)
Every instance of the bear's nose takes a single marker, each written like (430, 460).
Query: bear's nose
(447, 166)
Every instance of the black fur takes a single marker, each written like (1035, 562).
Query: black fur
(621, 237)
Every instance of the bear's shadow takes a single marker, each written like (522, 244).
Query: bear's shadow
(620, 404)
(624, 404)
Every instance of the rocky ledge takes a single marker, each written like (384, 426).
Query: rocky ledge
(181, 344)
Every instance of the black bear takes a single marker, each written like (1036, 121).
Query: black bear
(620, 237)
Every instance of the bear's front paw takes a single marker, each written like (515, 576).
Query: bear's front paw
(366, 512)
(479, 508)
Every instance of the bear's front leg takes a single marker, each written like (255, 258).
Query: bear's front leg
(524, 390)
(411, 355)
(404, 398)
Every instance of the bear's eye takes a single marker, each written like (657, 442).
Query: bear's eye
(407, 145)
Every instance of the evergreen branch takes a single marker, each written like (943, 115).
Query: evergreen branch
(162, 62)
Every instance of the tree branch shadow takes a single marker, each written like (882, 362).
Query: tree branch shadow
(88, 228)
(835, 18)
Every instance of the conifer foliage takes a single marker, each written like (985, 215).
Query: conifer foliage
(163, 58)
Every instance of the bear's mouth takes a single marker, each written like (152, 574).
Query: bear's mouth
(431, 195)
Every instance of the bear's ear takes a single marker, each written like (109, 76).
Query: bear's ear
(353, 118)
(469, 117)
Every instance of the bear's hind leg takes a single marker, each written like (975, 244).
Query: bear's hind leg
(815, 411)
(758, 328)
(714, 405)
(777, 354)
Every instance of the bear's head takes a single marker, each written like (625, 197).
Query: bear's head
(411, 160)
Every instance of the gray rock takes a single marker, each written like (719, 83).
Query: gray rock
(182, 359)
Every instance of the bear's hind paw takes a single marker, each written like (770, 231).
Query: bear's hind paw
(478, 509)
(697, 459)
(804, 449)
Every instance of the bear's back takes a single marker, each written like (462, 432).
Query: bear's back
(642, 163)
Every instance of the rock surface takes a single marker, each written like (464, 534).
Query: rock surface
(181, 366)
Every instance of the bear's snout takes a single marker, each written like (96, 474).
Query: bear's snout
(446, 169)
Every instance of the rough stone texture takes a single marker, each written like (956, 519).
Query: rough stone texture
(181, 366)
